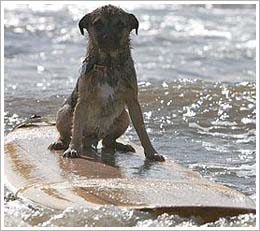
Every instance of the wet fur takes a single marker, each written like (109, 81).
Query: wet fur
(107, 86)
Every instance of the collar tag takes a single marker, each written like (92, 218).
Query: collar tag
(100, 68)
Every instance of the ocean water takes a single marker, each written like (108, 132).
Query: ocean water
(196, 67)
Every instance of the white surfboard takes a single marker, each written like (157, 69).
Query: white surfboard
(125, 180)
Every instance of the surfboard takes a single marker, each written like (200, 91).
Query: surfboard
(127, 180)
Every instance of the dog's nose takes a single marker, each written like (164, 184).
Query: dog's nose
(105, 36)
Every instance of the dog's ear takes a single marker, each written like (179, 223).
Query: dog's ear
(83, 23)
(133, 22)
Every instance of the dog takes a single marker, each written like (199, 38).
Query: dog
(96, 109)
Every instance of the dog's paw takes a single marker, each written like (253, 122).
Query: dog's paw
(124, 147)
(155, 157)
(71, 153)
(58, 145)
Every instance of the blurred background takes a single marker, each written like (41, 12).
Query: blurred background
(196, 67)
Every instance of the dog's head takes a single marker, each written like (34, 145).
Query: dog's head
(109, 27)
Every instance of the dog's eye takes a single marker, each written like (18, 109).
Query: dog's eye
(120, 24)
(98, 24)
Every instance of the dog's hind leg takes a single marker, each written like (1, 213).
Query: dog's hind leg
(64, 126)
(118, 128)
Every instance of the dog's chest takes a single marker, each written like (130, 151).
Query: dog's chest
(107, 88)
(105, 101)
(106, 92)
(106, 105)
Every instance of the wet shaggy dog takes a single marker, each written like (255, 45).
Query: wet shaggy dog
(107, 86)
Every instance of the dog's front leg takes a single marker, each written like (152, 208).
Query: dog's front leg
(138, 122)
(77, 135)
